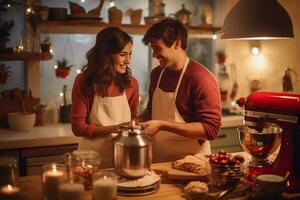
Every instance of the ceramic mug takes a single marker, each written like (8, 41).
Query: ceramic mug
(270, 183)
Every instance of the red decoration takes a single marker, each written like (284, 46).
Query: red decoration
(61, 72)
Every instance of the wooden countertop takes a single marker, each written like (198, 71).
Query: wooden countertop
(61, 134)
(31, 187)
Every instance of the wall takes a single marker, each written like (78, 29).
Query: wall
(276, 55)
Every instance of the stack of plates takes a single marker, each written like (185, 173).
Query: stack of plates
(145, 185)
(137, 191)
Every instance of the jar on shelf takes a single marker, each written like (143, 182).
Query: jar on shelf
(82, 164)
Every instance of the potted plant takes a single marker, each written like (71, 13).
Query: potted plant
(63, 68)
(4, 73)
(5, 27)
(46, 44)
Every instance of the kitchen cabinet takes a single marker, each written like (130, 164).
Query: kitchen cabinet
(226, 140)
(31, 160)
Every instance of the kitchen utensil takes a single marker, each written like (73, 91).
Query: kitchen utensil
(263, 109)
(65, 109)
(287, 81)
(19, 97)
(132, 151)
(235, 85)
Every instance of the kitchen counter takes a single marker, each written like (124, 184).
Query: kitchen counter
(48, 135)
(61, 134)
(31, 188)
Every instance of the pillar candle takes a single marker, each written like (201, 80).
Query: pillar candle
(52, 179)
(74, 191)
(104, 189)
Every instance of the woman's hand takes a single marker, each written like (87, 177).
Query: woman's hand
(151, 127)
(116, 127)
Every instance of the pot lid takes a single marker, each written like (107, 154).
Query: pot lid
(183, 11)
(132, 135)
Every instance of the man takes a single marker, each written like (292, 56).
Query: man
(184, 98)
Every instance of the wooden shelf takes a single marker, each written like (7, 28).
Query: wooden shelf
(24, 56)
(93, 27)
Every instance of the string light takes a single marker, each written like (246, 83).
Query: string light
(61, 94)
(78, 71)
(214, 36)
(29, 11)
(55, 67)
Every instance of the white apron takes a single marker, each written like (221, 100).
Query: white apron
(169, 146)
(106, 111)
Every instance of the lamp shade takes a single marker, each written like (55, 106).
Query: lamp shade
(257, 19)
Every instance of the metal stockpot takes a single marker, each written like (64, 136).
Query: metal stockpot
(132, 152)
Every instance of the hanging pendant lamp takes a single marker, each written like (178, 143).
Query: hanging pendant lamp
(257, 19)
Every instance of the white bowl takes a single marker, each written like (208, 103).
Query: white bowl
(18, 121)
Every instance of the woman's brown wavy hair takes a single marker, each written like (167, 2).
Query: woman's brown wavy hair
(99, 70)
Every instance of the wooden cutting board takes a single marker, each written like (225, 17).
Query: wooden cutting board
(175, 174)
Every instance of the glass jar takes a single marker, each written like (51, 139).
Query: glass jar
(8, 170)
(82, 165)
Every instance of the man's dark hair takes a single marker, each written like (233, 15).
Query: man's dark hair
(169, 30)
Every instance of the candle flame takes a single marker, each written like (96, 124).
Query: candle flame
(54, 168)
(9, 187)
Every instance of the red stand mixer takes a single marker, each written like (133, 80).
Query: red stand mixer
(263, 109)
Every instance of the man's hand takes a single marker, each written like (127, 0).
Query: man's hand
(151, 127)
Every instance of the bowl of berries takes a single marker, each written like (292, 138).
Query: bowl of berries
(225, 169)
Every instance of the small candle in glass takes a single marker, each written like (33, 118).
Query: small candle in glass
(53, 177)
(104, 186)
(10, 192)
(8, 170)
(71, 190)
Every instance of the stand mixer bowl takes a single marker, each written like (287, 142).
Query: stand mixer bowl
(260, 143)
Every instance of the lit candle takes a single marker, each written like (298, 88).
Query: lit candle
(9, 192)
(104, 189)
(52, 179)
(74, 191)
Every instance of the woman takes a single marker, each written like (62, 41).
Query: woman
(104, 95)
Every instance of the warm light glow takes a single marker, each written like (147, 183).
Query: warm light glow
(111, 4)
(214, 37)
(61, 94)
(255, 51)
(258, 63)
(9, 187)
(233, 103)
(29, 11)
(82, 1)
(51, 51)
(55, 67)
(78, 71)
